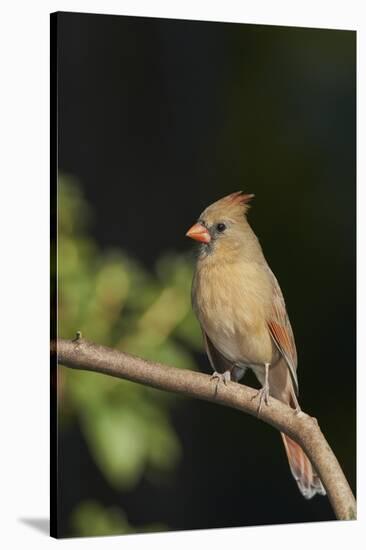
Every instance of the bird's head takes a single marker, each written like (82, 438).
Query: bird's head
(221, 225)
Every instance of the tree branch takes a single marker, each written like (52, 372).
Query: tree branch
(80, 354)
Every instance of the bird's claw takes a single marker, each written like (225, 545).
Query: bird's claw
(221, 377)
(263, 395)
(298, 411)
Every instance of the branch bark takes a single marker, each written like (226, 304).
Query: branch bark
(302, 428)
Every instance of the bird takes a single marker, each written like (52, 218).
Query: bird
(242, 313)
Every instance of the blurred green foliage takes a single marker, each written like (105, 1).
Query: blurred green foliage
(113, 301)
(91, 519)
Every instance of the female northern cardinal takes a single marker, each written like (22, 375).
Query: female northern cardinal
(243, 317)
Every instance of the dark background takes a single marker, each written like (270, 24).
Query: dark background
(159, 118)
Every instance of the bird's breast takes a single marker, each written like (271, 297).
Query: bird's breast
(232, 303)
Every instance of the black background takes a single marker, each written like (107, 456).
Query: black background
(159, 118)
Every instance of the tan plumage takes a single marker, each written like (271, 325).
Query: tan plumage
(242, 313)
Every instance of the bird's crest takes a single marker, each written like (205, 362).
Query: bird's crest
(233, 205)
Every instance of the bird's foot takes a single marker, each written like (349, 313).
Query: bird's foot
(263, 395)
(298, 411)
(297, 408)
(224, 377)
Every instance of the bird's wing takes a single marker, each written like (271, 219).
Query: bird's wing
(281, 331)
(219, 363)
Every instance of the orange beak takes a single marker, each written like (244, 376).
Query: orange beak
(199, 233)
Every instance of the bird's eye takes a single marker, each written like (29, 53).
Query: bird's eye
(220, 227)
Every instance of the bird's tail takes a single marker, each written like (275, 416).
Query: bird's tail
(306, 478)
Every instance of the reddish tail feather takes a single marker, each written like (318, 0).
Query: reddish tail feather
(307, 479)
